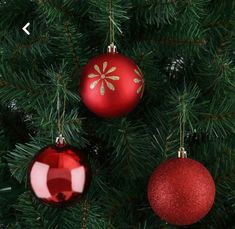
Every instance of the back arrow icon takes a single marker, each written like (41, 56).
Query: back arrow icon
(25, 28)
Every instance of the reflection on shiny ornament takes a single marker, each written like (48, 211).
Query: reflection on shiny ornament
(59, 174)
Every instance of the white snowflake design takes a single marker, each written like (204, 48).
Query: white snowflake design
(139, 80)
(104, 77)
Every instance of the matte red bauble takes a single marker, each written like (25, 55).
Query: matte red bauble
(181, 191)
(59, 174)
(111, 85)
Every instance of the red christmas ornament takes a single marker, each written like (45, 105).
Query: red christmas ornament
(181, 191)
(111, 85)
(59, 174)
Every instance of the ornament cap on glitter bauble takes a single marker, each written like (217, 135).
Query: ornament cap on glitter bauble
(59, 174)
(181, 191)
(111, 84)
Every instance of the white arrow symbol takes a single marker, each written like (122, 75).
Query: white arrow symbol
(25, 28)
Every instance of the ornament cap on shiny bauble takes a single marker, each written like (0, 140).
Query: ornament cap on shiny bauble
(59, 174)
(181, 191)
(111, 85)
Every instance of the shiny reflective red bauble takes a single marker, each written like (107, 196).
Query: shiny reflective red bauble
(181, 191)
(59, 174)
(111, 85)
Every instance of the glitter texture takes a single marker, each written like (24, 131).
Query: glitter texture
(181, 191)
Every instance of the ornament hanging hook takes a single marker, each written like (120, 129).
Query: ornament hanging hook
(112, 47)
(182, 153)
(111, 23)
(60, 140)
(60, 118)
(58, 110)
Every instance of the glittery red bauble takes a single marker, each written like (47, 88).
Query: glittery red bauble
(111, 85)
(59, 174)
(181, 191)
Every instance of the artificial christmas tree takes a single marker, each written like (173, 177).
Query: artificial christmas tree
(185, 50)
